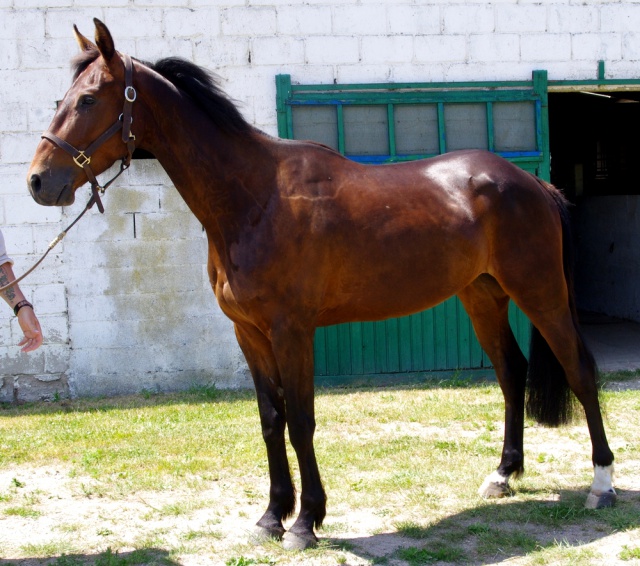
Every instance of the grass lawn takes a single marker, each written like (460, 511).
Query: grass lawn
(182, 478)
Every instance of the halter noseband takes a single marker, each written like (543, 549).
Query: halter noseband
(82, 158)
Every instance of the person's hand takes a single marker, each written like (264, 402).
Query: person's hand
(31, 328)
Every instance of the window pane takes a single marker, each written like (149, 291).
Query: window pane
(316, 123)
(466, 126)
(416, 127)
(514, 125)
(366, 130)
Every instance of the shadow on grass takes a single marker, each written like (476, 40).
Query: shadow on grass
(211, 394)
(498, 531)
(146, 557)
(194, 396)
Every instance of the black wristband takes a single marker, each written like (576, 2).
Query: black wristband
(20, 305)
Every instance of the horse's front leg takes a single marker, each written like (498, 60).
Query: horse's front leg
(293, 347)
(271, 405)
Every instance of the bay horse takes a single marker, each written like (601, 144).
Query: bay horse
(301, 237)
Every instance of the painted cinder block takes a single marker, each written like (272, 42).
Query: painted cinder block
(59, 23)
(386, 50)
(620, 17)
(218, 53)
(192, 23)
(332, 50)
(410, 19)
(9, 54)
(249, 21)
(465, 19)
(517, 18)
(55, 330)
(51, 299)
(545, 47)
(277, 51)
(441, 48)
(42, 387)
(360, 20)
(24, 210)
(303, 21)
(573, 19)
(130, 22)
(16, 24)
(598, 46)
(497, 48)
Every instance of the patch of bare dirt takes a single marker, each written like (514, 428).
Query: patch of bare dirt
(45, 512)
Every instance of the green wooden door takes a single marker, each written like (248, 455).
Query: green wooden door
(384, 123)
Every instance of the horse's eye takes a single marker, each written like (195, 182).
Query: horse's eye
(87, 100)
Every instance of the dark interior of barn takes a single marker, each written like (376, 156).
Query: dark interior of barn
(594, 146)
(595, 143)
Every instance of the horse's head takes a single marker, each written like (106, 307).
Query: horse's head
(81, 140)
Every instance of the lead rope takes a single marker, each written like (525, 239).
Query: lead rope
(52, 245)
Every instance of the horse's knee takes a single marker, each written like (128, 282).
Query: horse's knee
(273, 433)
(273, 424)
(301, 431)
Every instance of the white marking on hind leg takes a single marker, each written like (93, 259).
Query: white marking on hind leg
(602, 492)
(495, 485)
(602, 479)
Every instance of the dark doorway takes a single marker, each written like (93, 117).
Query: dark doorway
(594, 146)
(595, 143)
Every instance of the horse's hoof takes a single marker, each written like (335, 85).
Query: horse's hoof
(495, 485)
(293, 541)
(601, 500)
(261, 535)
(492, 490)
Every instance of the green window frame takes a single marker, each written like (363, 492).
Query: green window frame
(441, 96)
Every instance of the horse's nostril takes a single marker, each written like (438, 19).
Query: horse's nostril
(36, 183)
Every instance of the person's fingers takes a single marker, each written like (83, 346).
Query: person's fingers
(30, 344)
(30, 326)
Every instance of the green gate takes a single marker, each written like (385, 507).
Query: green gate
(384, 123)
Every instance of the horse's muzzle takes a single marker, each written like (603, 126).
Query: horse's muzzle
(50, 191)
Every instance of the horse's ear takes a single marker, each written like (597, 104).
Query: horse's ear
(83, 42)
(104, 41)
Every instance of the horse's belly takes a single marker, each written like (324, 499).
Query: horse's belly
(392, 297)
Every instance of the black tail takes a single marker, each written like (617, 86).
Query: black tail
(549, 398)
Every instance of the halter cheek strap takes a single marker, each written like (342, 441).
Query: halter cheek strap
(82, 157)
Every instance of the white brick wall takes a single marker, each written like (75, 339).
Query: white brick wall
(124, 310)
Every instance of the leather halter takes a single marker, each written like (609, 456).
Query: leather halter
(82, 158)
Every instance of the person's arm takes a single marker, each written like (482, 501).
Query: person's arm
(23, 310)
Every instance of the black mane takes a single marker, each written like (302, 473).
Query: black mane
(82, 60)
(202, 87)
(195, 81)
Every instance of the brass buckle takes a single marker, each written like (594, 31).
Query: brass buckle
(81, 156)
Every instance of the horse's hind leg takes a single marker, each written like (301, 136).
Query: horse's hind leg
(487, 306)
(271, 405)
(559, 329)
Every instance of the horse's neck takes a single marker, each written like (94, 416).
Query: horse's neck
(221, 177)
